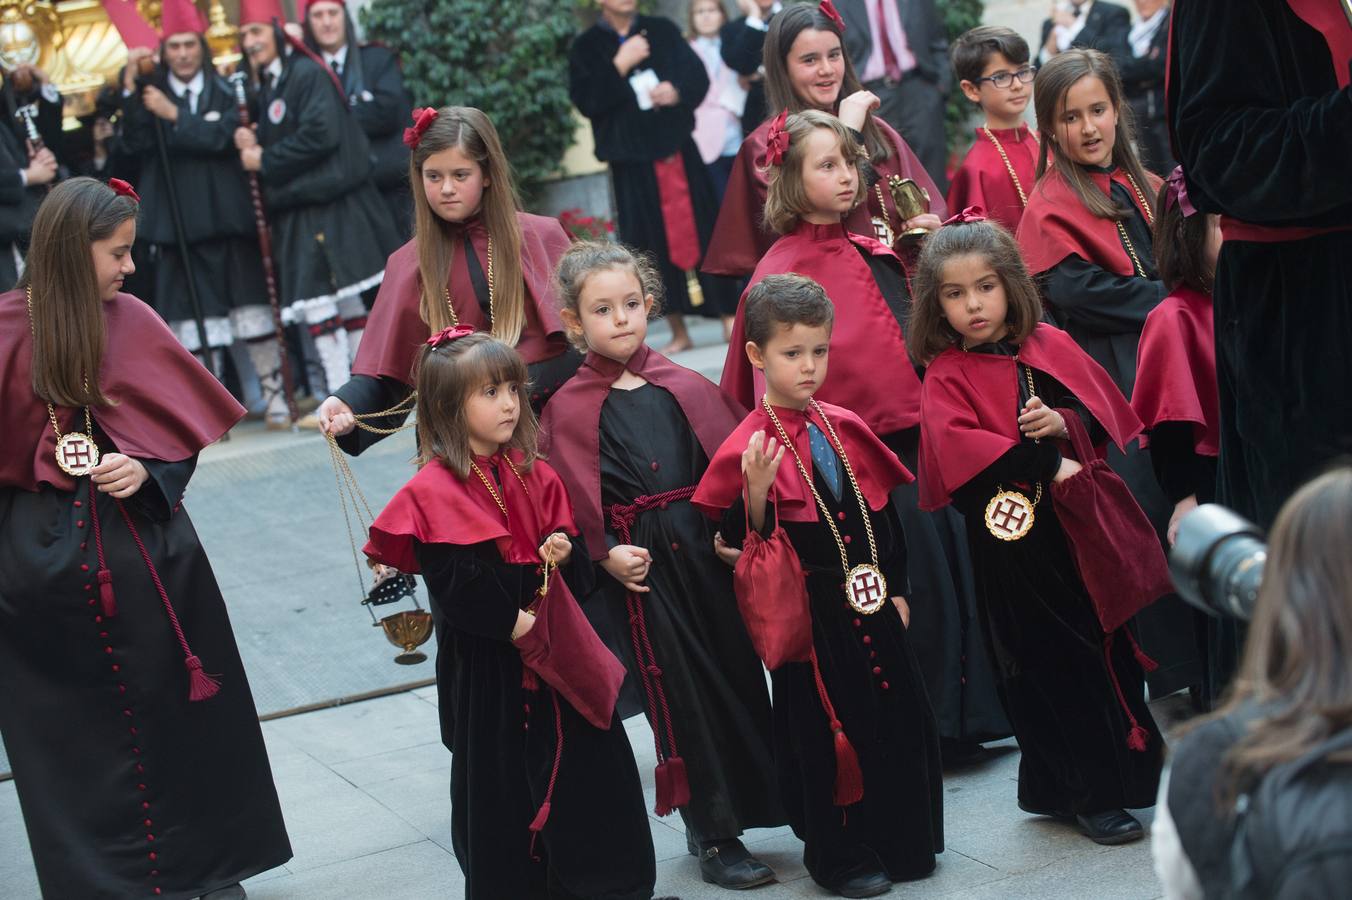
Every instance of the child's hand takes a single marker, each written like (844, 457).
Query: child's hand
(119, 475)
(904, 609)
(927, 221)
(556, 549)
(760, 462)
(723, 551)
(629, 565)
(855, 108)
(1069, 469)
(1181, 509)
(1038, 421)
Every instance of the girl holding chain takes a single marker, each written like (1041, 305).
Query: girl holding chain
(856, 749)
(545, 795)
(475, 259)
(998, 387)
(138, 772)
(1086, 237)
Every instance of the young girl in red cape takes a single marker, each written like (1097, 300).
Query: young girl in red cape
(856, 749)
(475, 259)
(806, 68)
(545, 797)
(1086, 237)
(631, 434)
(138, 773)
(1177, 396)
(814, 182)
(997, 388)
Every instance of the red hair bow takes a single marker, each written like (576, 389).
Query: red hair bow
(422, 120)
(967, 216)
(124, 189)
(1178, 193)
(449, 333)
(777, 139)
(828, 9)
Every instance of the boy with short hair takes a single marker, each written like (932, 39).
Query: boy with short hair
(856, 744)
(992, 66)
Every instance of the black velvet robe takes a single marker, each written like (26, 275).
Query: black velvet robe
(1047, 645)
(631, 140)
(1105, 313)
(126, 786)
(871, 674)
(713, 679)
(1263, 132)
(502, 738)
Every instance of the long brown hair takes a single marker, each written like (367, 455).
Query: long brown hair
(784, 30)
(1053, 82)
(69, 332)
(1179, 243)
(447, 374)
(470, 131)
(785, 196)
(1298, 660)
(930, 334)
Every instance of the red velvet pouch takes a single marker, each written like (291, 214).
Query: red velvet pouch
(772, 597)
(563, 649)
(1115, 548)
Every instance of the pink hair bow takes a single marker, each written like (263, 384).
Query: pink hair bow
(448, 334)
(1178, 193)
(777, 139)
(967, 216)
(422, 120)
(124, 189)
(828, 9)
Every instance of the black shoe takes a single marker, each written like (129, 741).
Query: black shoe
(870, 885)
(1113, 826)
(729, 864)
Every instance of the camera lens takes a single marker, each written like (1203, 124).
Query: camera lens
(1217, 561)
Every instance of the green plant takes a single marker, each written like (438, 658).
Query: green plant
(508, 59)
(959, 16)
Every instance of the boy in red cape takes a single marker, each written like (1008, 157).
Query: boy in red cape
(856, 746)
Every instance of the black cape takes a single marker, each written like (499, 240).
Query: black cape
(383, 107)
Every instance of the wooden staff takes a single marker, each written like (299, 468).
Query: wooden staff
(265, 247)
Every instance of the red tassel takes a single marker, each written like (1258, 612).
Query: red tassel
(541, 817)
(528, 680)
(106, 598)
(665, 789)
(680, 782)
(201, 686)
(849, 787)
(1146, 662)
(1136, 738)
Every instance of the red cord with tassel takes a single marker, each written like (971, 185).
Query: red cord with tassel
(849, 784)
(1138, 736)
(107, 600)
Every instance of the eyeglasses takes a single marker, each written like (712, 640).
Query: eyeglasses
(1003, 80)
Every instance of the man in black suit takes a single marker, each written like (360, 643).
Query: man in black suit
(1142, 60)
(743, 41)
(1092, 24)
(24, 175)
(900, 52)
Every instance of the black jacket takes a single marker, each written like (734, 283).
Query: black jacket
(742, 48)
(925, 37)
(18, 204)
(1142, 75)
(213, 194)
(1105, 29)
(313, 147)
(622, 131)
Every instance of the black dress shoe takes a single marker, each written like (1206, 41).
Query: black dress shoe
(1113, 826)
(729, 864)
(871, 885)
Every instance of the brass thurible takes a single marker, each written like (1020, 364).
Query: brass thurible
(911, 200)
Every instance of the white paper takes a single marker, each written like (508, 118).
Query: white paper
(642, 84)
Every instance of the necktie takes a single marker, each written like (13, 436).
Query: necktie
(825, 462)
(891, 67)
(336, 66)
(188, 101)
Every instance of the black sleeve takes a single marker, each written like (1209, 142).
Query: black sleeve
(1090, 296)
(475, 591)
(690, 78)
(1178, 467)
(579, 573)
(193, 134)
(388, 109)
(1116, 27)
(742, 47)
(1026, 463)
(163, 490)
(11, 186)
(892, 555)
(317, 134)
(734, 523)
(594, 85)
(369, 394)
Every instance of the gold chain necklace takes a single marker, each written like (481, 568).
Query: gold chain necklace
(882, 226)
(450, 307)
(1145, 204)
(865, 584)
(76, 452)
(1009, 514)
(549, 565)
(1122, 230)
(1009, 167)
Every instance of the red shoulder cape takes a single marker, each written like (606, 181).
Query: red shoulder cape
(1176, 368)
(876, 468)
(982, 179)
(168, 406)
(395, 331)
(1057, 225)
(868, 348)
(970, 403)
(570, 427)
(436, 506)
(740, 239)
